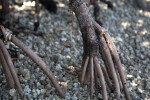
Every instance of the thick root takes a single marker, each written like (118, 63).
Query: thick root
(39, 62)
(7, 72)
(11, 68)
(107, 78)
(84, 70)
(92, 77)
(115, 57)
(117, 63)
(101, 78)
(110, 64)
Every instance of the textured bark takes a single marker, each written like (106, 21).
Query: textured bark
(90, 43)
(116, 60)
(117, 63)
(94, 41)
(91, 46)
(110, 64)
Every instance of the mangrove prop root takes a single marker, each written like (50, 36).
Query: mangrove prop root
(84, 70)
(118, 76)
(115, 57)
(107, 78)
(11, 68)
(6, 70)
(92, 77)
(95, 40)
(35, 58)
(95, 76)
(101, 78)
(110, 63)
(117, 63)
(39, 62)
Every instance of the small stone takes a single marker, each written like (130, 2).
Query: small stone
(140, 90)
(74, 97)
(27, 76)
(63, 39)
(42, 78)
(88, 98)
(99, 95)
(38, 91)
(147, 86)
(27, 90)
(21, 56)
(12, 92)
(119, 39)
(48, 86)
(67, 50)
(43, 91)
(75, 85)
(58, 67)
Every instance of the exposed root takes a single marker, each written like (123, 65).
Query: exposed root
(115, 57)
(96, 77)
(7, 72)
(92, 77)
(33, 56)
(118, 76)
(95, 72)
(95, 39)
(39, 62)
(107, 78)
(11, 68)
(84, 70)
(110, 64)
(101, 78)
(117, 63)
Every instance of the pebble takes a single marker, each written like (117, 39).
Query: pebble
(58, 67)
(43, 91)
(140, 90)
(119, 39)
(63, 39)
(132, 42)
(48, 86)
(12, 92)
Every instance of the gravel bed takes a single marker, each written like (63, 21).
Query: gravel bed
(130, 31)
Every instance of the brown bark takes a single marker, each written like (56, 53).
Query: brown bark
(92, 77)
(94, 41)
(115, 57)
(101, 77)
(11, 68)
(39, 62)
(6, 70)
(35, 58)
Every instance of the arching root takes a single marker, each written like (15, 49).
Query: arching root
(32, 55)
(97, 41)
(6, 70)
(11, 68)
(114, 55)
(95, 74)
